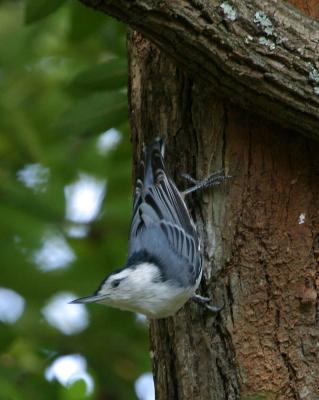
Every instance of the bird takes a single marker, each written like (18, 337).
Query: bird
(164, 264)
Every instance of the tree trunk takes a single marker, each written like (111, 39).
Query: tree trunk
(260, 239)
(262, 55)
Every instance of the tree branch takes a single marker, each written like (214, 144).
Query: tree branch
(261, 55)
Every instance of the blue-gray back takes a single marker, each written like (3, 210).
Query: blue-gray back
(161, 224)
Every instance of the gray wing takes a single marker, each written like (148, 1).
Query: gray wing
(157, 201)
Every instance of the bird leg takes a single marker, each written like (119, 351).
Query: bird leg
(203, 302)
(216, 178)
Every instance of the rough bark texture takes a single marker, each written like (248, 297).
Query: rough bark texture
(186, 349)
(262, 55)
(260, 235)
(261, 243)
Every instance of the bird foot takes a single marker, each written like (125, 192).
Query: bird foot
(214, 179)
(203, 301)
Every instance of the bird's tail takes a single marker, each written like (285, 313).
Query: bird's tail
(153, 161)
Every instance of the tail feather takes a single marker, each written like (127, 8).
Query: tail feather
(151, 174)
(154, 161)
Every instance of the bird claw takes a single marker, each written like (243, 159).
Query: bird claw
(214, 179)
(188, 178)
(214, 309)
(201, 300)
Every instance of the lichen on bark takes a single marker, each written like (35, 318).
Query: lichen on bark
(267, 73)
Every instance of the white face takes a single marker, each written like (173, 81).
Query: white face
(129, 285)
(140, 290)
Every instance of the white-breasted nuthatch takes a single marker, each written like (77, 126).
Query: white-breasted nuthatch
(164, 266)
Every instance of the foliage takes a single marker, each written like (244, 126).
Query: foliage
(63, 82)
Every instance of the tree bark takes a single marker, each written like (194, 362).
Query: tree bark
(260, 237)
(262, 55)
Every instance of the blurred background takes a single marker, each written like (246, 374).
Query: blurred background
(65, 205)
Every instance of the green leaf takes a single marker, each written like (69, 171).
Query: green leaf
(9, 391)
(106, 76)
(38, 9)
(76, 391)
(84, 21)
(94, 114)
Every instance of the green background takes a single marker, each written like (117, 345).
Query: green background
(63, 82)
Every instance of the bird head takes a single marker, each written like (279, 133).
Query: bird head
(129, 288)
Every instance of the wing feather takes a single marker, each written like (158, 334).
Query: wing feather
(158, 201)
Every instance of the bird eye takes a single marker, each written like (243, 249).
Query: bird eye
(115, 283)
